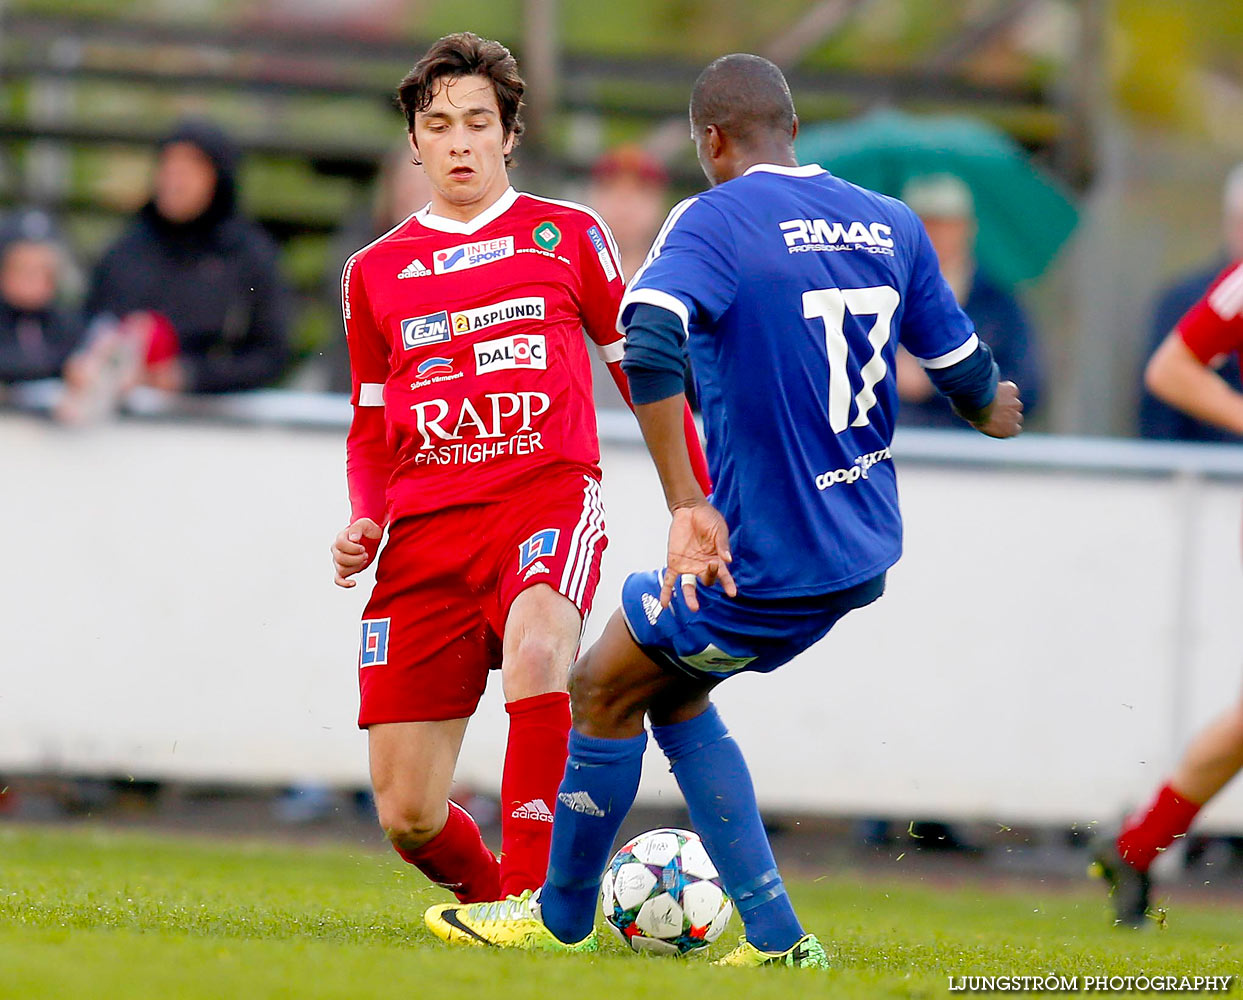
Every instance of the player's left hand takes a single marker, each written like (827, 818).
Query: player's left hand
(1003, 417)
(698, 553)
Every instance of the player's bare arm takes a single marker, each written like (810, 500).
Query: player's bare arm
(1177, 377)
(353, 549)
(698, 535)
(1003, 417)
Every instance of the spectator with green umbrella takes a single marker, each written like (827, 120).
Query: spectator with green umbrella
(944, 204)
(1023, 215)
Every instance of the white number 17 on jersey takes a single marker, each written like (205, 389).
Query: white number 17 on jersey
(830, 305)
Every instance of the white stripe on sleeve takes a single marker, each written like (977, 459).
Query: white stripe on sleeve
(663, 300)
(1227, 298)
(610, 353)
(953, 357)
(371, 394)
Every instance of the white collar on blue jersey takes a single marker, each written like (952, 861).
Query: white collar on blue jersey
(807, 170)
(489, 214)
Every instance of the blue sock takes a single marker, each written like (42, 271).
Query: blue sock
(601, 779)
(717, 786)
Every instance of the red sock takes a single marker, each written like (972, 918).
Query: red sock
(458, 859)
(539, 729)
(1146, 834)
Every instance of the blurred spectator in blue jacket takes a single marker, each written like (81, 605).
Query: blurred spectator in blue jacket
(944, 204)
(401, 189)
(37, 334)
(1157, 420)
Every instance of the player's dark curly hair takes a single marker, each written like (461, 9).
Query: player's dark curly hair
(465, 54)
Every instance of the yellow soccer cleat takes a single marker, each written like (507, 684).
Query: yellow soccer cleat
(513, 922)
(806, 953)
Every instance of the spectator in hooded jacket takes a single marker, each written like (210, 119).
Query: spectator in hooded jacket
(37, 335)
(191, 280)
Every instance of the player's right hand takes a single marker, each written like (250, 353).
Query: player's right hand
(353, 549)
(1003, 417)
(698, 553)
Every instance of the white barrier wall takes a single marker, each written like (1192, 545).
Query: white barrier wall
(1047, 644)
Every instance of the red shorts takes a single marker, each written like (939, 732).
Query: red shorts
(444, 585)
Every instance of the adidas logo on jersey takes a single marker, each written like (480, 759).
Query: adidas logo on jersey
(580, 802)
(535, 809)
(651, 608)
(414, 269)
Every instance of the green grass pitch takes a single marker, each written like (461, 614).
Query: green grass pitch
(88, 913)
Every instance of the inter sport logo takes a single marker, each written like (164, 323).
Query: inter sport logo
(421, 330)
(468, 255)
(821, 236)
(518, 351)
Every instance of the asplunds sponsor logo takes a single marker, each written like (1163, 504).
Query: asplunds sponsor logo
(468, 255)
(525, 351)
(821, 236)
(421, 330)
(509, 311)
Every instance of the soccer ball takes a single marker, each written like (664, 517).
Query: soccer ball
(662, 893)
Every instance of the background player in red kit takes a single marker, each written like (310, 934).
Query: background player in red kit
(1183, 374)
(474, 437)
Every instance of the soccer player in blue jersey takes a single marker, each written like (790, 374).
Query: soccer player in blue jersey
(791, 289)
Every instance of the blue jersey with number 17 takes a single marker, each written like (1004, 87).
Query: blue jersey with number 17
(794, 288)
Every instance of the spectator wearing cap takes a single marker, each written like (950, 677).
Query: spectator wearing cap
(945, 206)
(630, 189)
(1157, 420)
(37, 335)
(191, 279)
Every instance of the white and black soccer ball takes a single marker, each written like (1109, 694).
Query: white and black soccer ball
(662, 893)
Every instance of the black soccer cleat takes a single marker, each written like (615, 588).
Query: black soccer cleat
(1129, 888)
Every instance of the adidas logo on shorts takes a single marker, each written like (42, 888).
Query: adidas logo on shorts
(536, 568)
(580, 802)
(651, 608)
(535, 809)
(414, 269)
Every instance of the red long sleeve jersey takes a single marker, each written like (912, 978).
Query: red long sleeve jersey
(1214, 325)
(470, 372)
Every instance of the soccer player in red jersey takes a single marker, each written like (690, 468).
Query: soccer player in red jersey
(1182, 373)
(474, 439)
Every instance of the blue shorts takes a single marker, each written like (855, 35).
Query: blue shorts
(731, 635)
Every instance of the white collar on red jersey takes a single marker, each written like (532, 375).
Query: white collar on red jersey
(807, 170)
(489, 214)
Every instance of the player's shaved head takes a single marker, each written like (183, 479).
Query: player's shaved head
(745, 96)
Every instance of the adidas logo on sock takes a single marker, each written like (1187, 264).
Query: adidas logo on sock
(535, 809)
(651, 608)
(580, 802)
(414, 269)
